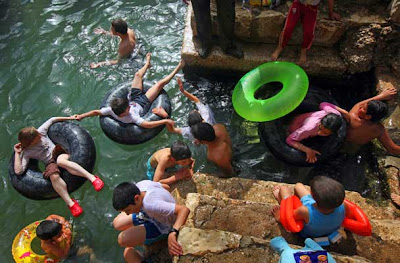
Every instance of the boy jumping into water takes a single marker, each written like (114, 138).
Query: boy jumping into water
(306, 11)
(178, 154)
(129, 110)
(128, 41)
(148, 213)
(323, 210)
(202, 114)
(319, 123)
(35, 144)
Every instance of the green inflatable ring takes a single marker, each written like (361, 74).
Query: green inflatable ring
(295, 86)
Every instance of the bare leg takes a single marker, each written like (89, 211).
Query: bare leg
(276, 53)
(284, 192)
(276, 210)
(138, 79)
(132, 237)
(73, 167)
(132, 256)
(153, 92)
(160, 112)
(61, 188)
(303, 57)
(300, 190)
(396, 199)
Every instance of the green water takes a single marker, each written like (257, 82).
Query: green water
(46, 48)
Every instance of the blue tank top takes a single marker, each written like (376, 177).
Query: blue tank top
(319, 224)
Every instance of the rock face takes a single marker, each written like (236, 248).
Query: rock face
(395, 11)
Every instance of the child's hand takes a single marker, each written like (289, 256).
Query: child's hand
(312, 155)
(95, 65)
(169, 122)
(76, 117)
(160, 112)
(99, 31)
(388, 94)
(18, 148)
(334, 16)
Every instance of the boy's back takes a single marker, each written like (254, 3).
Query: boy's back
(127, 45)
(220, 151)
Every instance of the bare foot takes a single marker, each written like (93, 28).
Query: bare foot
(275, 191)
(148, 57)
(395, 199)
(303, 57)
(276, 53)
(276, 210)
(160, 112)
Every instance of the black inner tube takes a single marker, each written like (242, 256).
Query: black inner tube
(81, 149)
(130, 133)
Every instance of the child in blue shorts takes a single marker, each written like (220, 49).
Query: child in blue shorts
(178, 155)
(155, 215)
(323, 210)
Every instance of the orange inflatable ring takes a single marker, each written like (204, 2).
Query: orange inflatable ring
(357, 221)
(288, 205)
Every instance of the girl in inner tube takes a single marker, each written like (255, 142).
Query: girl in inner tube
(325, 122)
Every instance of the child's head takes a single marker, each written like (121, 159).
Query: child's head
(203, 132)
(27, 136)
(329, 124)
(194, 118)
(48, 229)
(126, 198)
(181, 153)
(376, 110)
(327, 193)
(119, 26)
(120, 106)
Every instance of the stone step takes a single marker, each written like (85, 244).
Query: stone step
(261, 192)
(222, 246)
(249, 218)
(263, 25)
(322, 61)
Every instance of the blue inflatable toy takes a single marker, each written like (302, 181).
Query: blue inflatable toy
(311, 253)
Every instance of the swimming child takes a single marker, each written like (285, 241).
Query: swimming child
(202, 114)
(148, 213)
(323, 210)
(219, 146)
(119, 28)
(130, 109)
(56, 236)
(35, 144)
(178, 154)
(320, 123)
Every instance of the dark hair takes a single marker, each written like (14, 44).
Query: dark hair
(203, 132)
(327, 192)
(120, 26)
(180, 151)
(48, 229)
(194, 118)
(119, 105)
(332, 122)
(124, 195)
(377, 110)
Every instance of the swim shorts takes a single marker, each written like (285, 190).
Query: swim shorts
(150, 170)
(140, 98)
(152, 233)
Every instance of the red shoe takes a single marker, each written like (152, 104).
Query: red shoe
(98, 184)
(76, 209)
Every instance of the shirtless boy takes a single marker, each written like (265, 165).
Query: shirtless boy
(219, 146)
(364, 121)
(119, 28)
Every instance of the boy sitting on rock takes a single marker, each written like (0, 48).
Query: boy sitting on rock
(148, 213)
(323, 210)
